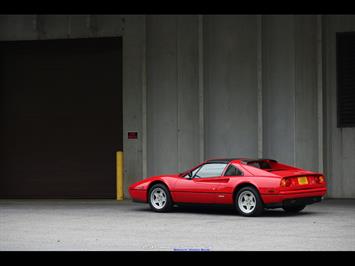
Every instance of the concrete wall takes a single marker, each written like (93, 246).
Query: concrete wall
(339, 143)
(290, 89)
(306, 143)
(172, 93)
(31, 27)
(278, 63)
(132, 95)
(230, 78)
(249, 85)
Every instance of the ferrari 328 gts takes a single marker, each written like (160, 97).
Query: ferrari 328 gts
(251, 185)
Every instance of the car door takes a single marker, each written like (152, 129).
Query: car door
(225, 190)
(202, 185)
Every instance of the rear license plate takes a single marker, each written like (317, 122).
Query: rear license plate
(303, 180)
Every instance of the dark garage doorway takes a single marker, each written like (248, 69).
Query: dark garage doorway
(61, 117)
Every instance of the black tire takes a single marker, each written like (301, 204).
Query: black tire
(258, 203)
(167, 206)
(293, 209)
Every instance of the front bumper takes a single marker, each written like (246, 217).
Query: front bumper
(138, 195)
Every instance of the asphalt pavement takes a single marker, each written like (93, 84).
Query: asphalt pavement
(42, 225)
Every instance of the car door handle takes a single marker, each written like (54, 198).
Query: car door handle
(224, 180)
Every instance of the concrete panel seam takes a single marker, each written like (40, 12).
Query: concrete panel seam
(69, 26)
(201, 88)
(39, 27)
(91, 23)
(293, 66)
(259, 86)
(144, 100)
(178, 95)
(320, 92)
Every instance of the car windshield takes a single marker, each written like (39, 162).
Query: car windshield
(206, 170)
(210, 170)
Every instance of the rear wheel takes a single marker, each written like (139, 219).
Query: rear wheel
(248, 202)
(293, 209)
(159, 198)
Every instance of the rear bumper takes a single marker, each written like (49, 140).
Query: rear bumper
(294, 202)
(292, 198)
(302, 201)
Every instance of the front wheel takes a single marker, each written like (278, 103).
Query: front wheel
(159, 198)
(293, 209)
(248, 202)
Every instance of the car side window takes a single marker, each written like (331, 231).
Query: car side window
(233, 171)
(210, 170)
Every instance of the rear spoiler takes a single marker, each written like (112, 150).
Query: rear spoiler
(268, 164)
(258, 160)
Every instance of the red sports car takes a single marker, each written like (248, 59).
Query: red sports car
(251, 185)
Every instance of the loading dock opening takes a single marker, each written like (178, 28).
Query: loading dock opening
(61, 117)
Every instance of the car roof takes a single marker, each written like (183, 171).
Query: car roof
(242, 160)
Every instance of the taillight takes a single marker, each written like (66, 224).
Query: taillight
(320, 179)
(286, 182)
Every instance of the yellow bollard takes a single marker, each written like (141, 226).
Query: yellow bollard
(119, 175)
